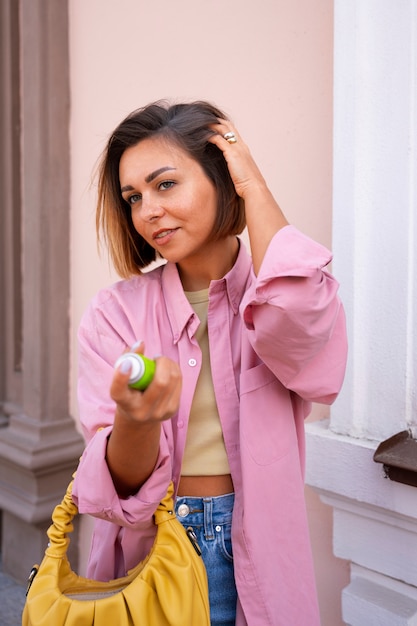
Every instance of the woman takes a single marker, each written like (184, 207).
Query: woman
(247, 343)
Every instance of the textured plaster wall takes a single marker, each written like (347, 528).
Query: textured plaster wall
(269, 65)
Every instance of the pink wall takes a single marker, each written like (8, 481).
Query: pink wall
(269, 65)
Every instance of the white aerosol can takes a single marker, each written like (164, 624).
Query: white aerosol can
(142, 370)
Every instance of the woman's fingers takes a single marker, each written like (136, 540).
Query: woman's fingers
(160, 401)
(163, 394)
(242, 167)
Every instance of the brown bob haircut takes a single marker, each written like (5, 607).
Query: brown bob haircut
(189, 126)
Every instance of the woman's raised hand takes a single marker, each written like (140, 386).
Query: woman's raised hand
(263, 214)
(243, 170)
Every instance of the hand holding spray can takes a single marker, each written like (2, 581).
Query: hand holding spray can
(142, 370)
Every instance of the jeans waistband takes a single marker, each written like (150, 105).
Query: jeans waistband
(205, 512)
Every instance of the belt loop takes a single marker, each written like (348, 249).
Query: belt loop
(208, 518)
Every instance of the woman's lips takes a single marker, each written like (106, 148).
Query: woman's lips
(164, 235)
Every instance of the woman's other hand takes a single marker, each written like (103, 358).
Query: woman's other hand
(133, 445)
(158, 402)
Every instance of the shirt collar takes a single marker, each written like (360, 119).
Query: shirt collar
(236, 280)
(179, 309)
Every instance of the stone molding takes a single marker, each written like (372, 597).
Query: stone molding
(39, 443)
(374, 527)
(374, 243)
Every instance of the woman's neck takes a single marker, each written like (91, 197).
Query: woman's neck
(218, 260)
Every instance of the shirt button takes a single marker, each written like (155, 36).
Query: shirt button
(192, 362)
(183, 510)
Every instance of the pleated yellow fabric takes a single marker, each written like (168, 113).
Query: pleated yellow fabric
(168, 588)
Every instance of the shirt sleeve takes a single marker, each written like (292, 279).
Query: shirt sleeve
(94, 491)
(294, 317)
(100, 342)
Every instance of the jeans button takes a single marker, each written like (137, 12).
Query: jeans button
(183, 510)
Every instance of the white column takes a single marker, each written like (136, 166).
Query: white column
(374, 243)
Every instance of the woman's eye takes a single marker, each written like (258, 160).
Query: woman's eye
(166, 184)
(134, 198)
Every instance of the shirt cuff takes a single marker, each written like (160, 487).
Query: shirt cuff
(94, 492)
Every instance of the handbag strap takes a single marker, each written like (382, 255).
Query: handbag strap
(64, 513)
(62, 524)
(165, 510)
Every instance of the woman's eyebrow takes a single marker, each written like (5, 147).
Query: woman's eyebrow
(153, 175)
(150, 177)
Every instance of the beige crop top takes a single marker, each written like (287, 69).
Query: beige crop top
(205, 452)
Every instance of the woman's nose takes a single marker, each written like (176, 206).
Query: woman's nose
(150, 210)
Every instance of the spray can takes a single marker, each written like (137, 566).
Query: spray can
(142, 371)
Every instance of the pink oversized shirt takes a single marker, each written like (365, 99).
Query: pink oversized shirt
(277, 343)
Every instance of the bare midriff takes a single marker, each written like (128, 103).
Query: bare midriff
(205, 486)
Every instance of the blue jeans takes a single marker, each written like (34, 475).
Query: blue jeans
(211, 520)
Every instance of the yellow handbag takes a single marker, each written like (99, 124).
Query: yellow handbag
(168, 588)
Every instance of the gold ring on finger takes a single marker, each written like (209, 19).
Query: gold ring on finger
(230, 137)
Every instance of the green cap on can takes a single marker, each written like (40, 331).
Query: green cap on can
(142, 372)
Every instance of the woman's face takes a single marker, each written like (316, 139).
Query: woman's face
(173, 202)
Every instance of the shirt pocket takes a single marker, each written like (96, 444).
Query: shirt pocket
(266, 416)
